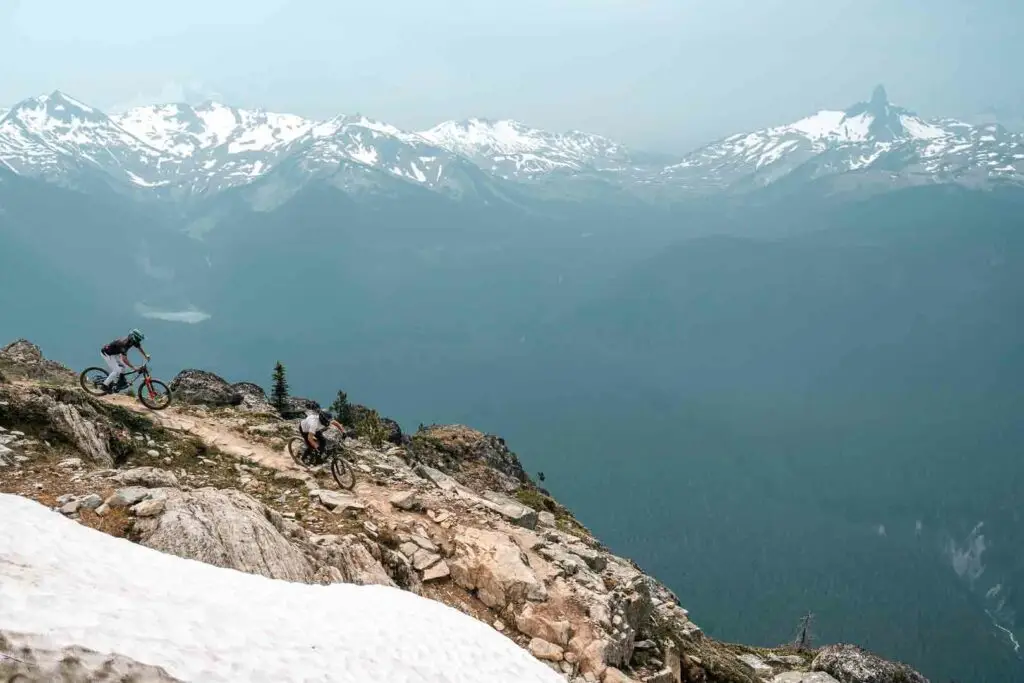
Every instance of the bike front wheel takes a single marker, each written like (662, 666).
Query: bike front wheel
(154, 394)
(343, 473)
(91, 381)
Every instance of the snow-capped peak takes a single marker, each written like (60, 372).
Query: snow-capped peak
(474, 135)
(50, 134)
(183, 130)
(877, 119)
(507, 136)
(54, 110)
(871, 134)
(509, 147)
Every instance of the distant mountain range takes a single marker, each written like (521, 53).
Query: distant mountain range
(186, 151)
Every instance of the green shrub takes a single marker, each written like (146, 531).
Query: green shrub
(370, 427)
(342, 409)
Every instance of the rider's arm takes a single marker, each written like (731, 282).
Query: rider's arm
(143, 352)
(124, 359)
(341, 427)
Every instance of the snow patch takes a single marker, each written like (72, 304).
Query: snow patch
(921, 130)
(365, 155)
(81, 587)
(189, 316)
(219, 122)
(142, 182)
(820, 125)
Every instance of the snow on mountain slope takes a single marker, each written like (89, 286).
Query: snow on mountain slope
(222, 146)
(183, 130)
(73, 585)
(54, 134)
(870, 136)
(216, 146)
(359, 142)
(511, 150)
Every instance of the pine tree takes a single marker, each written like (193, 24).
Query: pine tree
(804, 635)
(279, 394)
(341, 408)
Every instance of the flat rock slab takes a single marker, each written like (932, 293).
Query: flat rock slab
(127, 497)
(804, 677)
(336, 502)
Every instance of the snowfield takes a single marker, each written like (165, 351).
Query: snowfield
(78, 586)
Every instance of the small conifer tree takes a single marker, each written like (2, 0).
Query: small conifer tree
(804, 636)
(279, 394)
(342, 409)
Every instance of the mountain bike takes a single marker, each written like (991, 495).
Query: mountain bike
(153, 393)
(341, 470)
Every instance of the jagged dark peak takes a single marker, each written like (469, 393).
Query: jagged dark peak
(879, 98)
(885, 117)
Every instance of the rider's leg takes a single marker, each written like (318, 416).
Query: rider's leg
(307, 449)
(316, 454)
(114, 363)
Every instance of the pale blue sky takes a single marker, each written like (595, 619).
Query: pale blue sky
(654, 73)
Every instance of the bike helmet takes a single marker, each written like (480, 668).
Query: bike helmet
(137, 336)
(325, 417)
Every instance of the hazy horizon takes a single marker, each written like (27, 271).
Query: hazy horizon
(659, 75)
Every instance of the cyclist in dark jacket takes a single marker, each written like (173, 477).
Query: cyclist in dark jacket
(115, 355)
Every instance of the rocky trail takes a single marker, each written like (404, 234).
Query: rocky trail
(447, 513)
(214, 432)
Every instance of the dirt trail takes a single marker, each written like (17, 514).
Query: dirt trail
(215, 433)
(212, 432)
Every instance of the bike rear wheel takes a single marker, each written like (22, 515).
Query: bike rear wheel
(343, 473)
(154, 394)
(91, 381)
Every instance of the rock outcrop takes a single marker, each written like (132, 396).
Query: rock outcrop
(803, 677)
(851, 664)
(479, 460)
(223, 528)
(149, 477)
(495, 568)
(392, 430)
(347, 560)
(88, 435)
(30, 362)
(254, 398)
(29, 659)
(206, 388)
(64, 416)
(8, 456)
(298, 407)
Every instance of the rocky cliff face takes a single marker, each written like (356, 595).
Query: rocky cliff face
(451, 515)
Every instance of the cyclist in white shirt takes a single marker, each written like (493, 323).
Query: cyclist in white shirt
(313, 428)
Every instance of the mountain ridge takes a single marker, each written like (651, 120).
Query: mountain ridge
(197, 150)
